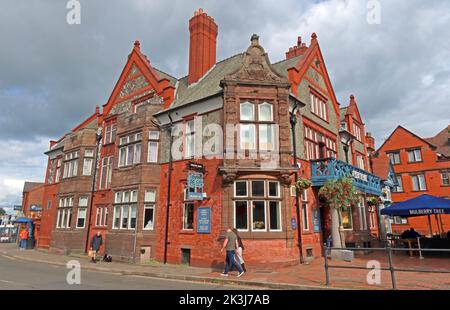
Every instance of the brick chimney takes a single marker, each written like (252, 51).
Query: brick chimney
(370, 143)
(202, 46)
(297, 50)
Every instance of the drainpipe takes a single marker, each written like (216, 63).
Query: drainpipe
(293, 120)
(169, 180)
(98, 138)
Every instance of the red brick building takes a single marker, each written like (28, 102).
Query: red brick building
(181, 159)
(422, 166)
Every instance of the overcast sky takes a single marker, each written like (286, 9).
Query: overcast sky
(52, 75)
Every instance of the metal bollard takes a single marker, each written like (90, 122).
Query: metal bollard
(327, 274)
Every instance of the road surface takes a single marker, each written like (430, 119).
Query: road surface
(24, 275)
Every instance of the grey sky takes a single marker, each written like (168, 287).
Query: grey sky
(52, 75)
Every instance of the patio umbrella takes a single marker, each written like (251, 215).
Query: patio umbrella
(419, 206)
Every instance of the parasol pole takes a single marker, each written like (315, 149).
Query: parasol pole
(437, 224)
(429, 225)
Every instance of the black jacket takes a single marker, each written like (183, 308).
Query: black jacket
(96, 242)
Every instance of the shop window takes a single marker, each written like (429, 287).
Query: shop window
(258, 215)
(241, 215)
(261, 211)
(240, 189)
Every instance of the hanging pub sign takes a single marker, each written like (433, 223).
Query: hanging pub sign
(195, 167)
(293, 224)
(195, 186)
(204, 220)
(35, 208)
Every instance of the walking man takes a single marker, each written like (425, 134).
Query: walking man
(96, 242)
(231, 245)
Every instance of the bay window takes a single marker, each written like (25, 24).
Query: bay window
(125, 209)
(257, 130)
(106, 172)
(257, 205)
(88, 162)
(64, 214)
(153, 147)
(71, 164)
(130, 150)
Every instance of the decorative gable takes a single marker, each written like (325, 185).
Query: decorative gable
(256, 67)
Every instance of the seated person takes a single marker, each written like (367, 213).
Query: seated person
(413, 234)
(405, 234)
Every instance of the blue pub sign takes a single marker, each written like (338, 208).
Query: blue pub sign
(204, 220)
(195, 186)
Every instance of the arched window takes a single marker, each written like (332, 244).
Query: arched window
(247, 111)
(265, 112)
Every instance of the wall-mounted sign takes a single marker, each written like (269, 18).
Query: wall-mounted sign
(35, 208)
(17, 208)
(196, 167)
(204, 220)
(195, 186)
(316, 220)
(293, 224)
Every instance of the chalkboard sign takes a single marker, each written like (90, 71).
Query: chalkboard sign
(204, 220)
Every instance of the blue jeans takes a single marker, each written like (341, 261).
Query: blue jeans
(23, 244)
(231, 261)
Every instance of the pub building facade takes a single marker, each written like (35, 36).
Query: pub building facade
(180, 160)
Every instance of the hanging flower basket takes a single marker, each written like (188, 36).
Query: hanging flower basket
(373, 201)
(339, 193)
(303, 184)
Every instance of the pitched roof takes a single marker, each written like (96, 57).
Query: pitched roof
(380, 166)
(282, 66)
(208, 85)
(31, 185)
(410, 132)
(442, 141)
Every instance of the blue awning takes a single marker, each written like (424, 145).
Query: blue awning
(419, 206)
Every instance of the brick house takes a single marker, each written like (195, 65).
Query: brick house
(181, 159)
(422, 166)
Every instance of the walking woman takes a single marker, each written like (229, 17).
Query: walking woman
(239, 250)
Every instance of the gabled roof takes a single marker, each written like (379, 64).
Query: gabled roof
(28, 186)
(442, 141)
(411, 133)
(351, 109)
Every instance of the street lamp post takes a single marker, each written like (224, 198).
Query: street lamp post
(293, 120)
(346, 139)
(98, 139)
